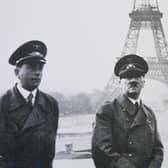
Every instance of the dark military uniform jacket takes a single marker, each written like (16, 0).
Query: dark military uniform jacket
(123, 141)
(27, 135)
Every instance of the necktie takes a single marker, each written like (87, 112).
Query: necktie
(136, 106)
(30, 100)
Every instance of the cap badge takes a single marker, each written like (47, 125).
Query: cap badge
(129, 66)
(35, 53)
(36, 46)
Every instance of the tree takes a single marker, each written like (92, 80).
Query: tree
(64, 103)
(81, 104)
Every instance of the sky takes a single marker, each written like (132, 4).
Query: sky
(83, 38)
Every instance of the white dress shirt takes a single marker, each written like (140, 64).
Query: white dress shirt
(135, 101)
(25, 93)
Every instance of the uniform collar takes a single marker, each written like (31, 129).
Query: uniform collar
(25, 93)
(126, 104)
(16, 99)
(135, 101)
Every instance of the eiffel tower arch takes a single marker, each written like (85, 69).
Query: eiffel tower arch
(146, 15)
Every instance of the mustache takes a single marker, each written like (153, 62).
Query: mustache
(134, 83)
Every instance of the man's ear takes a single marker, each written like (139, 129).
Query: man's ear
(143, 82)
(119, 80)
(16, 70)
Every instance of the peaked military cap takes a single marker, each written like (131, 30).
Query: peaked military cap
(131, 66)
(29, 52)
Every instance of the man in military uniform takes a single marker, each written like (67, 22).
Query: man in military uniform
(28, 116)
(125, 133)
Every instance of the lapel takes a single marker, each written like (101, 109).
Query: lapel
(38, 114)
(128, 109)
(35, 119)
(126, 105)
(122, 114)
(16, 100)
(140, 117)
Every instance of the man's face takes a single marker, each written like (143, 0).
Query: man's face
(30, 75)
(132, 86)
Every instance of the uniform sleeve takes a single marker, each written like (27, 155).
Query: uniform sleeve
(157, 152)
(56, 112)
(102, 142)
(3, 104)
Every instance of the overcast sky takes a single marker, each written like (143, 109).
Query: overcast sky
(83, 39)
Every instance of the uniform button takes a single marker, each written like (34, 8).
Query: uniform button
(127, 119)
(149, 121)
(130, 142)
(123, 109)
(130, 154)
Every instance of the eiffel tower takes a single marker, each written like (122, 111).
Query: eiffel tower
(146, 15)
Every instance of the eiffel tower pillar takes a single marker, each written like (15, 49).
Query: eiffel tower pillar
(146, 15)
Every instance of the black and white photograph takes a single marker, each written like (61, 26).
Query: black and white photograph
(84, 83)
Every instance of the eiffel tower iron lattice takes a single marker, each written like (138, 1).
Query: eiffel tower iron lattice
(146, 14)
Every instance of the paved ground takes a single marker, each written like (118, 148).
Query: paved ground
(82, 163)
(79, 163)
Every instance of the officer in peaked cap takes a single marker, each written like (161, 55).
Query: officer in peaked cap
(131, 69)
(125, 128)
(28, 116)
(131, 66)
